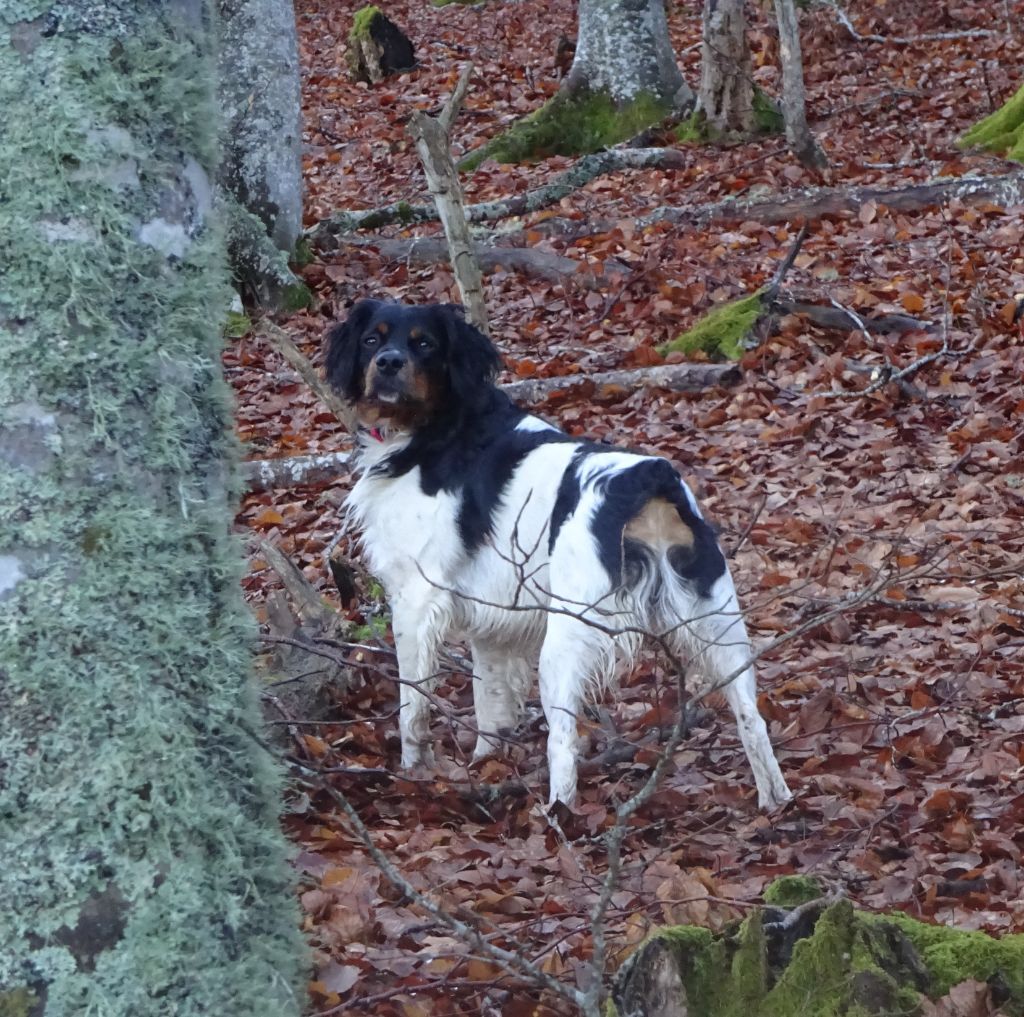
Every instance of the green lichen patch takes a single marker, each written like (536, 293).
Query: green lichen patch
(723, 331)
(1001, 131)
(791, 891)
(571, 123)
(828, 960)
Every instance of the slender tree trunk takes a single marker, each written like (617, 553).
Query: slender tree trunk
(262, 168)
(143, 873)
(623, 50)
(794, 107)
(726, 75)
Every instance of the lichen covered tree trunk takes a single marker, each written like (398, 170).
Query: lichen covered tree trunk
(143, 869)
(623, 50)
(261, 169)
(726, 75)
(1003, 130)
(623, 79)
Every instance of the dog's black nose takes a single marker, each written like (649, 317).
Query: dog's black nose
(390, 361)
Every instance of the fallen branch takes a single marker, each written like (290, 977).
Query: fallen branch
(282, 343)
(904, 40)
(813, 202)
(431, 138)
(528, 260)
(291, 471)
(579, 175)
(839, 319)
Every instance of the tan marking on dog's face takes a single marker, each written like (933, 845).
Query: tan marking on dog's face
(383, 328)
(658, 525)
(416, 333)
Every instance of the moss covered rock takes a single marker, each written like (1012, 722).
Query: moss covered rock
(821, 959)
(571, 123)
(723, 332)
(1002, 131)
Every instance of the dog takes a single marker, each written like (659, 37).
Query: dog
(483, 520)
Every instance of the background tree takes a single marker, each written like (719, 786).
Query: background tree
(261, 172)
(144, 872)
(623, 79)
(726, 74)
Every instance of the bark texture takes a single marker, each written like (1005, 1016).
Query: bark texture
(623, 49)
(144, 874)
(794, 105)
(262, 168)
(726, 74)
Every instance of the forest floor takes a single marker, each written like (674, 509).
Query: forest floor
(899, 724)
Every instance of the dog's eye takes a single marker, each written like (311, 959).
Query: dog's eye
(425, 343)
(372, 339)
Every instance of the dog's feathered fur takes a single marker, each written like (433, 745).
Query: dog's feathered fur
(483, 520)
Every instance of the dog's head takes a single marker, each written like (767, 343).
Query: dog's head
(409, 364)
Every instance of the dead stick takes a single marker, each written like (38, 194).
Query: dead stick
(432, 145)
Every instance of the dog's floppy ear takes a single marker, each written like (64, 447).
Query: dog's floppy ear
(473, 362)
(342, 368)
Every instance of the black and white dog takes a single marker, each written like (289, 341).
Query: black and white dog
(483, 520)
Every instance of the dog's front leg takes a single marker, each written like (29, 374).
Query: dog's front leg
(419, 621)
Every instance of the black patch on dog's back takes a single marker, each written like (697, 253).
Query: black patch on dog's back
(624, 493)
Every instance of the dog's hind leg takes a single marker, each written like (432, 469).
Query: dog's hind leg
(420, 619)
(715, 631)
(501, 681)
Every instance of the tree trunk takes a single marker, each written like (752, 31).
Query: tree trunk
(144, 873)
(262, 167)
(623, 50)
(726, 75)
(794, 107)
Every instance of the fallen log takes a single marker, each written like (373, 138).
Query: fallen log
(578, 175)
(528, 260)
(291, 471)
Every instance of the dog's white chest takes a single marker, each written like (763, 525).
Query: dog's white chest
(408, 536)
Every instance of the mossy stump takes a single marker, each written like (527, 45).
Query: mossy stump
(377, 47)
(1001, 131)
(822, 958)
(725, 331)
(571, 122)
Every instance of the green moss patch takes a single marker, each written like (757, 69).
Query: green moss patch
(571, 123)
(791, 891)
(819, 961)
(361, 22)
(723, 331)
(1002, 131)
(696, 130)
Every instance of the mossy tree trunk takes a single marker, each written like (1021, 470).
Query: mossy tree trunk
(261, 170)
(726, 75)
(1003, 130)
(623, 79)
(143, 869)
